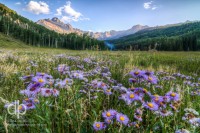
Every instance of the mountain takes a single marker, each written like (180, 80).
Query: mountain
(174, 37)
(16, 26)
(57, 25)
(116, 34)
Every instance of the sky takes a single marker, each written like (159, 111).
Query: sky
(105, 15)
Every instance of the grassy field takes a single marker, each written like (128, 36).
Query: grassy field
(9, 42)
(73, 91)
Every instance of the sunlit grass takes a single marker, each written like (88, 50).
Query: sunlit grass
(73, 111)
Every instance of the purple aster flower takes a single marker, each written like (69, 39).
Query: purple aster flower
(30, 100)
(50, 82)
(43, 75)
(30, 106)
(138, 117)
(110, 114)
(129, 97)
(99, 126)
(134, 124)
(173, 96)
(67, 81)
(20, 107)
(62, 68)
(87, 60)
(164, 113)
(46, 92)
(77, 75)
(132, 80)
(55, 92)
(182, 131)
(27, 77)
(39, 80)
(121, 118)
(138, 111)
(60, 84)
(108, 121)
(151, 106)
(31, 91)
(159, 100)
(137, 73)
(195, 122)
(151, 79)
(148, 73)
(102, 85)
(132, 96)
(107, 91)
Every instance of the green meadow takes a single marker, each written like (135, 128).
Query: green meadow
(73, 111)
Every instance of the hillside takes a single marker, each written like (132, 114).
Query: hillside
(18, 27)
(9, 42)
(185, 36)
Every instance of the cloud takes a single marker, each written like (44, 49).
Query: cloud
(38, 7)
(68, 14)
(150, 5)
(18, 3)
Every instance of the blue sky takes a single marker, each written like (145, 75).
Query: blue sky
(104, 15)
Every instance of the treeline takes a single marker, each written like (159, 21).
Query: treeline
(184, 37)
(33, 34)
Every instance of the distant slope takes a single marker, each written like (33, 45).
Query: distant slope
(179, 37)
(19, 27)
(58, 26)
(9, 42)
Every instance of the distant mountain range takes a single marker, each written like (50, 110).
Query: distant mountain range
(60, 27)
(173, 37)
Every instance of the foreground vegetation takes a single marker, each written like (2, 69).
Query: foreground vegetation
(73, 91)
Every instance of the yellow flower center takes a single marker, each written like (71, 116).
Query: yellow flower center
(41, 80)
(108, 90)
(150, 78)
(156, 95)
(20, 107)
(136, 73)
(26, 99)
(156, 99)
(108, 114)
(132, 96)
(150, 105)
(66, 81)
(137, 125)
(173, 94)
(103, 84)
(145, 90)
(121, 118)
(36, 100)
(98, 125)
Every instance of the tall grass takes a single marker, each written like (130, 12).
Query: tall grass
(73, 111)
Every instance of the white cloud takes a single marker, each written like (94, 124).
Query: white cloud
(68, 14)
(150, 5)
(147, 5)
(18, 3)
(38, 7)
(154, 8)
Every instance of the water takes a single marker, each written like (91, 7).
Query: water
(110, 45)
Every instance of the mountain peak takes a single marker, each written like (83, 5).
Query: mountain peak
(55, 19)
(139, 26)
